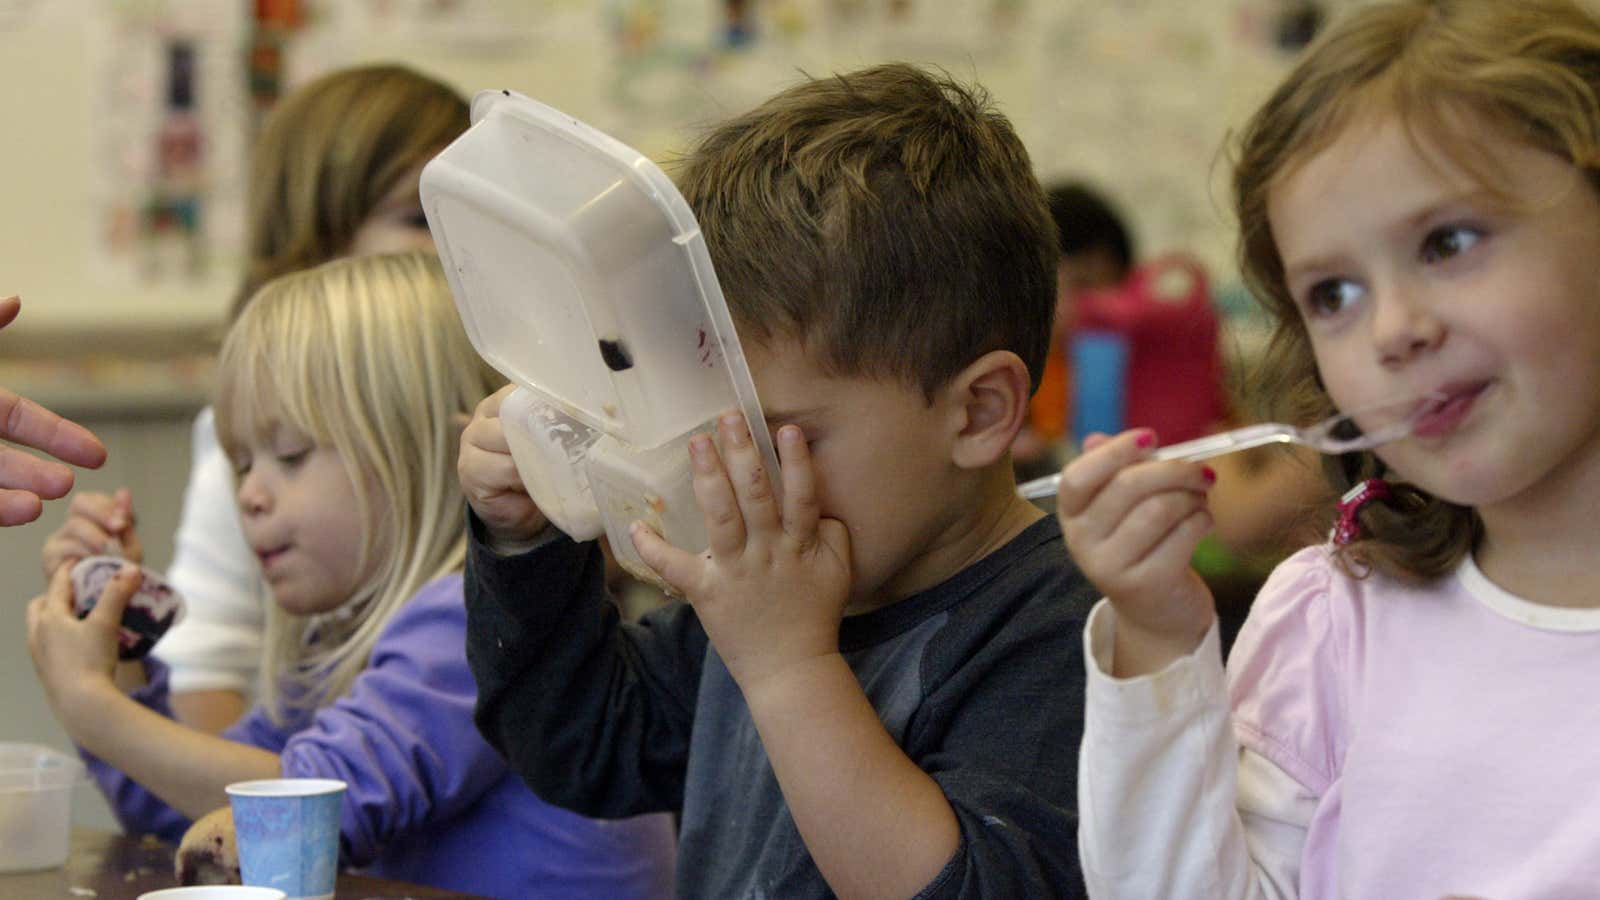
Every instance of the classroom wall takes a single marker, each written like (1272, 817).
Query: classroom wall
(1136, 95)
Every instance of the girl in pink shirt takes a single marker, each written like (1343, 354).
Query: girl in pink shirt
(1408, 711)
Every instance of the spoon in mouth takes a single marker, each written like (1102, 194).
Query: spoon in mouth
(1341, 433)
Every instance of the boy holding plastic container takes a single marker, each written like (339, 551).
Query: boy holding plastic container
(867, 692)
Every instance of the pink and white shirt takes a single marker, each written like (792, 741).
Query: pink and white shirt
(1370, 739)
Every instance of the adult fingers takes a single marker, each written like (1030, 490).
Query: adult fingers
(28, 423)
(18, 507)
(9, 307)
(42, 478)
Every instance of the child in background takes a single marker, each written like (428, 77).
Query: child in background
(338, 407)
(862, 698)
(1160, 312)
(1096, 253)
(1412, 707)
(334, 172)
(1156, 313)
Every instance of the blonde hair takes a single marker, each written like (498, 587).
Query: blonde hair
(326, 156)
(367, 356)
(1529, 70)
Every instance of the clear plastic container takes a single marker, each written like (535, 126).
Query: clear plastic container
(582, 276)
(36, 785)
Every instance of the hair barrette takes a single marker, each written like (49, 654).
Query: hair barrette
(1347, 528)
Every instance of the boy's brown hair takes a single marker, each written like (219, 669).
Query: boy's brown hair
(888, 219)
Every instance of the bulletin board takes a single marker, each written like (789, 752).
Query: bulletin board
(128, 121)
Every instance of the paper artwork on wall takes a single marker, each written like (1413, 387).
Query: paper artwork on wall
(167, 116)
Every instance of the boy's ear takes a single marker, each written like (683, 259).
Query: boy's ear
(990, 400)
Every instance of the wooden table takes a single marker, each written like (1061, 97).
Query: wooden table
(105, 866)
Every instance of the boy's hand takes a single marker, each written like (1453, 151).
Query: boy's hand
(1132, 526)
(76, 657)
(769, 589)
(489, 477)
(96, 524)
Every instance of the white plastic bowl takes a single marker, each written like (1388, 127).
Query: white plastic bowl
(214, 892)
(36, 785)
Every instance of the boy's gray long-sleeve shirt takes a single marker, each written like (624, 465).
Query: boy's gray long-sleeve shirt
(979, 680)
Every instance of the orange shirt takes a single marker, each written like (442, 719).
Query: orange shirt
(1047, 411)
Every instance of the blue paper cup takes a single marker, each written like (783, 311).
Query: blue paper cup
(288, 834)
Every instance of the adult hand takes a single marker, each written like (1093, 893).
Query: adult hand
(26, 481)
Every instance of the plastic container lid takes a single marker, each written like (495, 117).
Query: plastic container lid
(582, 276)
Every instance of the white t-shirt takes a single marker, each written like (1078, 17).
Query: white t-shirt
(218, 644)
(1382, 740)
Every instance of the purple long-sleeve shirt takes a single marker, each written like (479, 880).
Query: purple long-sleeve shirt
(429, 801)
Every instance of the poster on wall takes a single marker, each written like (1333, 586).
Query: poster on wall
(491, 27)
(168, 114)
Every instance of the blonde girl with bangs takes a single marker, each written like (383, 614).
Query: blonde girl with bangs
(338, 364)
(340, 403)
(1408, 711)
(333, 172)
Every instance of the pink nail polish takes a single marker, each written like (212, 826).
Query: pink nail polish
(1209, 473)
(1145, 439)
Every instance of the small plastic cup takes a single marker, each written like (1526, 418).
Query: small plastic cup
(288, 834)
(214, 892)
(36, 784)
